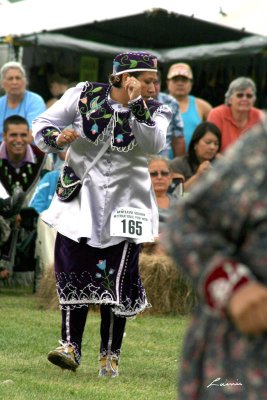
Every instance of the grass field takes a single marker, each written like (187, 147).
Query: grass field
(149, 359)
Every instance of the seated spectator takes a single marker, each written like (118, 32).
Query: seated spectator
(21, 162)
(203, 150)
(167, 290)
(175, 144)
(17, 100)
(238, 114)
(21, 166)
(161, 178)
(193, 109)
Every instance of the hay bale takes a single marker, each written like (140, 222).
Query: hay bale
(46, 290)
(47, 294)
(167, 290)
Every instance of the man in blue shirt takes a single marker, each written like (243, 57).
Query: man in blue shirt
(193, 109)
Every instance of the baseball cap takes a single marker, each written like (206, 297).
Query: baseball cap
(180, 69)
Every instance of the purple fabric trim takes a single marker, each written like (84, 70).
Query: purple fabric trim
(50, 134)
(141, 112)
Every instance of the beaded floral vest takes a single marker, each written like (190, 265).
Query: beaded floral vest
(97, 115)
(24, 176)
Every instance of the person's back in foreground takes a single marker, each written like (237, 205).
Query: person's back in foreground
(218, 237)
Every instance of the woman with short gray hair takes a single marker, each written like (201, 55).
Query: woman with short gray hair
(239, 85)
(238, 114)
(17, 100)
(12, 65)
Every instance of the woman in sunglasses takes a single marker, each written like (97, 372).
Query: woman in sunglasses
(161, 179)
(238, 114)
(204, 148)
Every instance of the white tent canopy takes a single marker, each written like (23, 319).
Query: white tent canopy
(55, 14)
(33, 16)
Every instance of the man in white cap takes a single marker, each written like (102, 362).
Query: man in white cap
(194, 110)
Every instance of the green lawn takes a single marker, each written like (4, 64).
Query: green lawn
(149, 359)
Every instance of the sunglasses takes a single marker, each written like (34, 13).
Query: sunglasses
(247, 95)
(181, 78)
(157, 173)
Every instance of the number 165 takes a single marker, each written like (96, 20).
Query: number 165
(132, 226)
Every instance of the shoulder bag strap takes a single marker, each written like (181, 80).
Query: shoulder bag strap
(98, 156)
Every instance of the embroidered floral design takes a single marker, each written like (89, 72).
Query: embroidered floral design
(100, 119)
(50, 132)
(50, 135)
(141, 112)
(132, 61)
(119, 138)
(104, 285)
(105, 275)
(68, 184)
(93, 105)
(94, 129)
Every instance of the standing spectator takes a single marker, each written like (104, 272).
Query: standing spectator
(238, 114)
(175, 144)
(217, 236)
(17, 100)
(194, 109)
(97, 246)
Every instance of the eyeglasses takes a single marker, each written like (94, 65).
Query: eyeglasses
(247, 95)
(157, 173)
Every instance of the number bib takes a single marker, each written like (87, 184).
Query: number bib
(131, 222)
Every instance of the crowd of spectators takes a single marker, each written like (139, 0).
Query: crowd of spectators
(197, 135)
